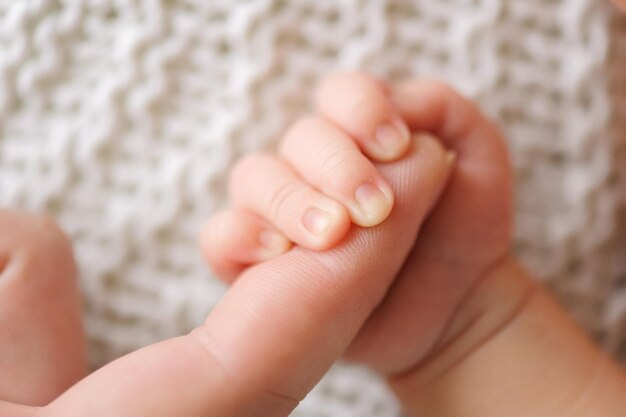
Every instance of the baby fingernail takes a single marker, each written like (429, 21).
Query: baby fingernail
(373, 203)
(317, 221)
(391, 139)
(273, 244)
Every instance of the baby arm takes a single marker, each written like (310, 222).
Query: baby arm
(512, 350)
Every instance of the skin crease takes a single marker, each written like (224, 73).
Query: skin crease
(39, 387)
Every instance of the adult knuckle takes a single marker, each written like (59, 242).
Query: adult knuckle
(215, 358)
(218, 361)
(282, 402)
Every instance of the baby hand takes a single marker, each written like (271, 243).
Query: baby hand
(322, 179)
(323, 163)
(436, 305)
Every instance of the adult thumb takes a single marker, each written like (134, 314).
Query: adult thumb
(280, 326)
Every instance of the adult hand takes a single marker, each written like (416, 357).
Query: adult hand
(264, 346)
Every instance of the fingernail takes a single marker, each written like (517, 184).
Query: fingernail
(317, 221)
(391, 139)
(373, 203)
(273, 244)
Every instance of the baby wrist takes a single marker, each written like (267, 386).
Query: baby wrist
(510, 350)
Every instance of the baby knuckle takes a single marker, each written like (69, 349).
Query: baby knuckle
(211, 234)
(368, 110)
(245, 168)
(305, 124)
(341, 169)
(281, 198)
(334, 160)
(242, 166)
(298, 130)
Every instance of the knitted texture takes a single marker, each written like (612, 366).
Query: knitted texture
(122, 119)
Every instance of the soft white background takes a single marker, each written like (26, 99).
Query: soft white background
(121, 118)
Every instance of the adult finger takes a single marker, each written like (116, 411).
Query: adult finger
(17, 410)
(279, 328)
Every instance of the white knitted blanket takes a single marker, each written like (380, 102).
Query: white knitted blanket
(122, 118)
